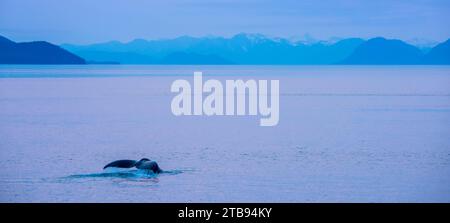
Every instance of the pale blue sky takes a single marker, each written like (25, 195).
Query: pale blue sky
(85, 21)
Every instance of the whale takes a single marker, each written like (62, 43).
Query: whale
(142, 164)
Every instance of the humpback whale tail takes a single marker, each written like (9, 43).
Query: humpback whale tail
(143, 164)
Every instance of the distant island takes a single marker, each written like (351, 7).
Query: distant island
(39, 52)
(241, 49)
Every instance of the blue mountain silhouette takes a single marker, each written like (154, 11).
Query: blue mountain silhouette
(240, 49)
(383, 51)
(439, 54)
(39, 52)
(252, 49)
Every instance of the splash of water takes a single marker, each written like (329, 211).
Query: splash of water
(127, 174)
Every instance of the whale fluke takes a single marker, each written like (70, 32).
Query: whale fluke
(143, 164)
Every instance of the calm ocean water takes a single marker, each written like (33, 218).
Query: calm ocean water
(346, 134)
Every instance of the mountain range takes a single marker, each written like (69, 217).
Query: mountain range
(249, 49)
(239, 49)
(258, 49)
